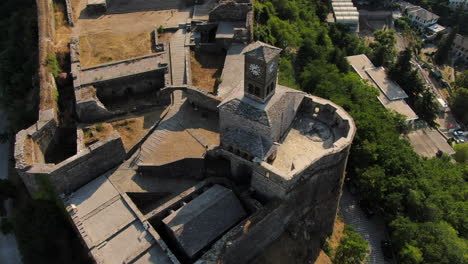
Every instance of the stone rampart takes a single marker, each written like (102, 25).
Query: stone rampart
(69, 12)
(88, 164)
(75, 171)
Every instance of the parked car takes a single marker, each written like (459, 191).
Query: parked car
(386, 246)
(458, 132)
(366, 208)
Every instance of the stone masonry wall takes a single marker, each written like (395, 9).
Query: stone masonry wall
(230, 11)
(80, 169)
(75, 171)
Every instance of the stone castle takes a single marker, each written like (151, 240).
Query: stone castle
(220, 176)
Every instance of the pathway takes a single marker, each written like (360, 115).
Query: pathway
(177, 52)
(373, 230)
(9, 253)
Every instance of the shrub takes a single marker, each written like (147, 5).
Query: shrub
(353, 248)
(53, 65)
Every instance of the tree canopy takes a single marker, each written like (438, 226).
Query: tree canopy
(423, 199)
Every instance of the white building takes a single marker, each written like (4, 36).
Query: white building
(455, 4)
(418, 16)
(391, 94)
(345, 12)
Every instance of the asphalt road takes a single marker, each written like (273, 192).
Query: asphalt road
(9, 253)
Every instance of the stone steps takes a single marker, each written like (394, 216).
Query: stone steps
(177, 51)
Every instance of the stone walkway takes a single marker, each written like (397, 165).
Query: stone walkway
(177, 51)
(373, 230)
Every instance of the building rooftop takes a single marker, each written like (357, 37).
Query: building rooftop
(423, 14)
(461, 41)
(262, 51)
(427, 142)
(390, 88)
(391, 95)
(399, 106)
(198, 223)
(109, 227)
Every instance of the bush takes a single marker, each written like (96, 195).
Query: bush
(160, 29)
(353, 248)
(99, 128)
(53, 65)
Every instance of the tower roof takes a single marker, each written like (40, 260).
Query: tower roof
(262, 51)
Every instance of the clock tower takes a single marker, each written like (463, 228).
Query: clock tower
(260, 71)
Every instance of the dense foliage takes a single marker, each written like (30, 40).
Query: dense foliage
(421, 99)
(459, 99)
(424, 196)
(18, 44)
(353, 248)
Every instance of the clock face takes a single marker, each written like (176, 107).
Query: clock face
(272, 67)
(254, 69)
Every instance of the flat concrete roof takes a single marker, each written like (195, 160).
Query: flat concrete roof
(427, 142)
(390, 88)
(225, 30)
(122, 68)
(391, 95)
(399, 106)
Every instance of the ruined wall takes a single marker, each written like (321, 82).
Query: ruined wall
(75, 171)
(130, 85)
(230, 11)
(80, 169)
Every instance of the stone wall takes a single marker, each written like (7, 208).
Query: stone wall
(195, 96)
(77, 170)
(69, 12)
(185, 168)
(230, 11)
(88, 164)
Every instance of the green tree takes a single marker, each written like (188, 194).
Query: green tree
(461, 153)
(458, 102)
(353, 248)
(411, 255)
(444, 47)
(383, 47)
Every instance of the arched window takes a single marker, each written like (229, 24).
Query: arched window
(257, 91)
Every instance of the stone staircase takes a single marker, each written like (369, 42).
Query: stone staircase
(171, 122)
(177, 52)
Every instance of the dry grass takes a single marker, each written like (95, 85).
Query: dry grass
(205, 70)
(62, 30)
(97, 132)
(338, 233)
(105, 47)
(132, 130)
